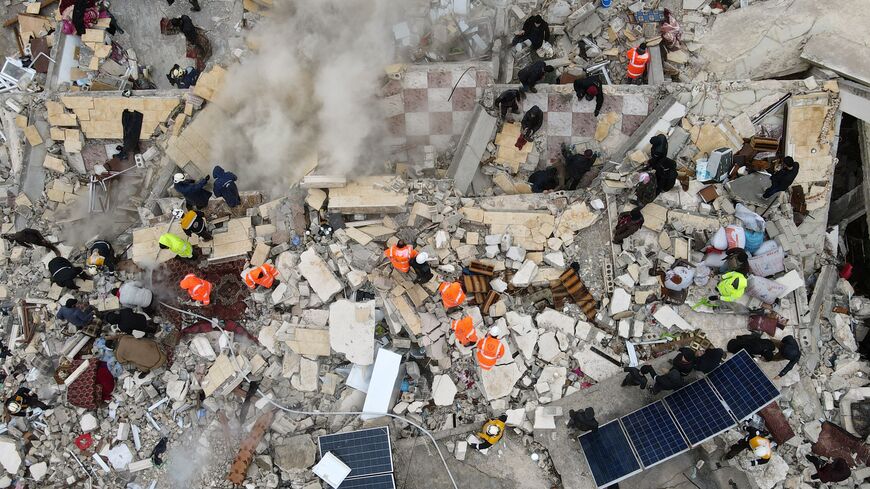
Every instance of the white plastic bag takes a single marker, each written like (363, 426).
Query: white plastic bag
(750, 220)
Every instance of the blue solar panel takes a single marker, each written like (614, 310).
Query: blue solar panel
(698, 412)
(609, 454)
(654, 434)
(743, 385)
(383, 481)
(366, 452)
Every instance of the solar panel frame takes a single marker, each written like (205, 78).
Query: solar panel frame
(651, 416)
(595, 448)
(738, 374)
(682, 411)
(380, 481)
(349, 446)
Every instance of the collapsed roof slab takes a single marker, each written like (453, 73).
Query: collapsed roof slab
(471, 149)
(843, 56)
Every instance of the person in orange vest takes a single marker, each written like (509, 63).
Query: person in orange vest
(638, 58)
(264, 275)
(400, 255)
(464, 331)
(198, 289)
(452, 294)
(489, 349)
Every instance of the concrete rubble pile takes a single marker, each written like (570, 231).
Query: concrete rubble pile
(236, 389)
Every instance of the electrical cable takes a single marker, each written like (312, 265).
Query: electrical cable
(215, 323)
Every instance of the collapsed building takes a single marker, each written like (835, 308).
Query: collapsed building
(249, 389)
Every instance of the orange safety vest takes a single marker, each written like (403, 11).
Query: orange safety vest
(263, 275)
(401, 257)
(452, 294)
(760, 441)
(198, 289)
(464, 330)
(636, 63)
(489, 350)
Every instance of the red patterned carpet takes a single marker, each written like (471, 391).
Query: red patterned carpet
(227, 295)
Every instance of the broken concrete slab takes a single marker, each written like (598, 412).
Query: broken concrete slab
(499, 381)
(471, 149)
(443, 390)
(318, 275)
(352, 330)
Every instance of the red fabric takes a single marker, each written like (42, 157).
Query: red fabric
(593, 90)
(84, 392)
(106, 380)
(521, 141)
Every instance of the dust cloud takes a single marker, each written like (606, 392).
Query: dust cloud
(309, 87)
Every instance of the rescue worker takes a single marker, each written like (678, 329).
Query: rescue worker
(198, 289)
(756, 441)
(836, 470)
(421, 268)
(490, 433)
(510, 100)
(659, 147)
(64, 274)
(181, 247)
(782, 179)
(194, 193)
(583, 420)
(532, 74)
(754, 344)
(29, 238)
(183, 77)
(132, 294)
(75, 316)
(400, 255)
(685, 360)
(589, 88)
(130, 322)
(533, 34)
(193, 222)
(489, 349)
(731, 287)
(225, 186)
(576, 165)
(627, 223)
(545, 180)
(464, 330)
(634, 377)
(710, 359)
(23, 402)
(670, 381)
(452, 294)
(102, 255)
(532, 122)
(790, 350)
(264, 275)
(638, 58)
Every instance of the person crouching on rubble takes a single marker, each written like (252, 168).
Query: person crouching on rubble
(102, 255)
(64, 274)
(400, 255)
(758, 442)
(24, 403)
(421, 268)
(183, 77)
(75, 316)
(265, 276)
(489, 434)
(627, 224)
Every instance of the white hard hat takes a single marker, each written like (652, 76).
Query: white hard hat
(179, 177)
(495, 331)
(13, 407)
(492, 430)
(762, 451)
(422, 257)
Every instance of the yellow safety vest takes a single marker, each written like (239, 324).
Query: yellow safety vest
(727, 291)
(180, 247)
(760, 441)
(492, 439)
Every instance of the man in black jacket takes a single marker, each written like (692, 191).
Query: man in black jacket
(576, 165)
(28, 237)
(589, 88)
(64, 274)
(783, 178)
(532, 122)
(532, 74)
(544, 180)
(510, 100)
(535, 31)
(670, 381)
(709, 360)
(129, 321)
(790, 350)
(755, 345)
